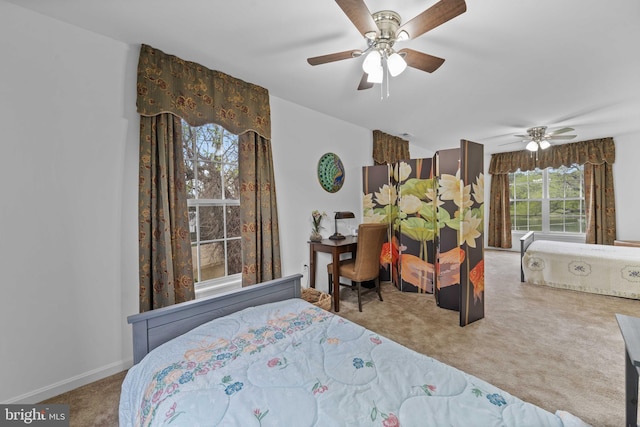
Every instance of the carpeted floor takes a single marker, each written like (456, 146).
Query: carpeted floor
(555, 348)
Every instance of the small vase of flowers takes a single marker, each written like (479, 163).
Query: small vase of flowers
(316, 218)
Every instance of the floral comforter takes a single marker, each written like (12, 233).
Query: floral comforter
(291, 363)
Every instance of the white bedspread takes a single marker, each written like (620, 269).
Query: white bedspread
(600, 269)
(291, 363)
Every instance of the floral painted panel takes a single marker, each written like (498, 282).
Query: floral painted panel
(471, 232)
(450, 202)
(435, 209)
(460, 230)
(403, 195)
(415, 226)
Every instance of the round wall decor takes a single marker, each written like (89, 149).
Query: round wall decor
(330, 172)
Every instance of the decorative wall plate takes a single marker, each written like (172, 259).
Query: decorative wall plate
(330, 172)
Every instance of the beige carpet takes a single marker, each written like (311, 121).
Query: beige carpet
(558, 349)
(93, 405)
(555, 348)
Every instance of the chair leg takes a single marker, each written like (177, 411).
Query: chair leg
(330, 284)
(378, 286)
(359, 297)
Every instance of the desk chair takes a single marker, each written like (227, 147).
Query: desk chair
(366, 264)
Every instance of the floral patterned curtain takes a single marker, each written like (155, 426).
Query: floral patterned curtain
(188, 90)
(594, 151)
(170, 86)
(258, 215)
(600, 203)
(388, 149)
(166, 275)
(598, 156)
(499, 213)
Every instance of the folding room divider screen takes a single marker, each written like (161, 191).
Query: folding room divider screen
(435, 211)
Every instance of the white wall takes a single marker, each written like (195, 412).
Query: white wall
(299, 138)
(66, 99)
(68, 191)
(68, 216)
(626, 172)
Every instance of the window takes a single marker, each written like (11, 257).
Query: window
(213, 200)
(549, 200)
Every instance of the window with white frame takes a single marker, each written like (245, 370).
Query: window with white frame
(213, 200)
(549, 200)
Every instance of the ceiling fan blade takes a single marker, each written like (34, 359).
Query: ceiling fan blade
(359, 14)
(347, 54)
(563, 130)
(364, 84)
(436, 15)
(555, 137)
(522, 136)
(421, 61)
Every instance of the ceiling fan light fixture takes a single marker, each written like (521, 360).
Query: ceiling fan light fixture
(376, 76)
(532, 146)
(371, 35)
(372, 63)
(544, 144)
(402, 36)
(396, 64)
(382, 29)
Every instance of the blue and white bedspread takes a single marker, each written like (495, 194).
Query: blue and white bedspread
(291, 363)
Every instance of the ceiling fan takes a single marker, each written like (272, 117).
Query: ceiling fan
(382, 30)
(538, 138)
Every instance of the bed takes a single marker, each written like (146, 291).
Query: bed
(599, 269)
(288, 362)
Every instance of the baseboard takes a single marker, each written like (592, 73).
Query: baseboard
(71, 383)
(493, 248)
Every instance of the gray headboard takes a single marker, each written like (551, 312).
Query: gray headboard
(155, 327)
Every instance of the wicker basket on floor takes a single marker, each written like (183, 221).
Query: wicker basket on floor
(317, 297)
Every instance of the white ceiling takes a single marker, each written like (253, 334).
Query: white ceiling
(510, 64)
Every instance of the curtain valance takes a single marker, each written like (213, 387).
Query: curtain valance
(389, 149)
(594, 151)
(168, 84)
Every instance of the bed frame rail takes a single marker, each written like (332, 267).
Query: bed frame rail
(525, 241)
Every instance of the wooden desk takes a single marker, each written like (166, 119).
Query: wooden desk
(630, 328)
(335, 248)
